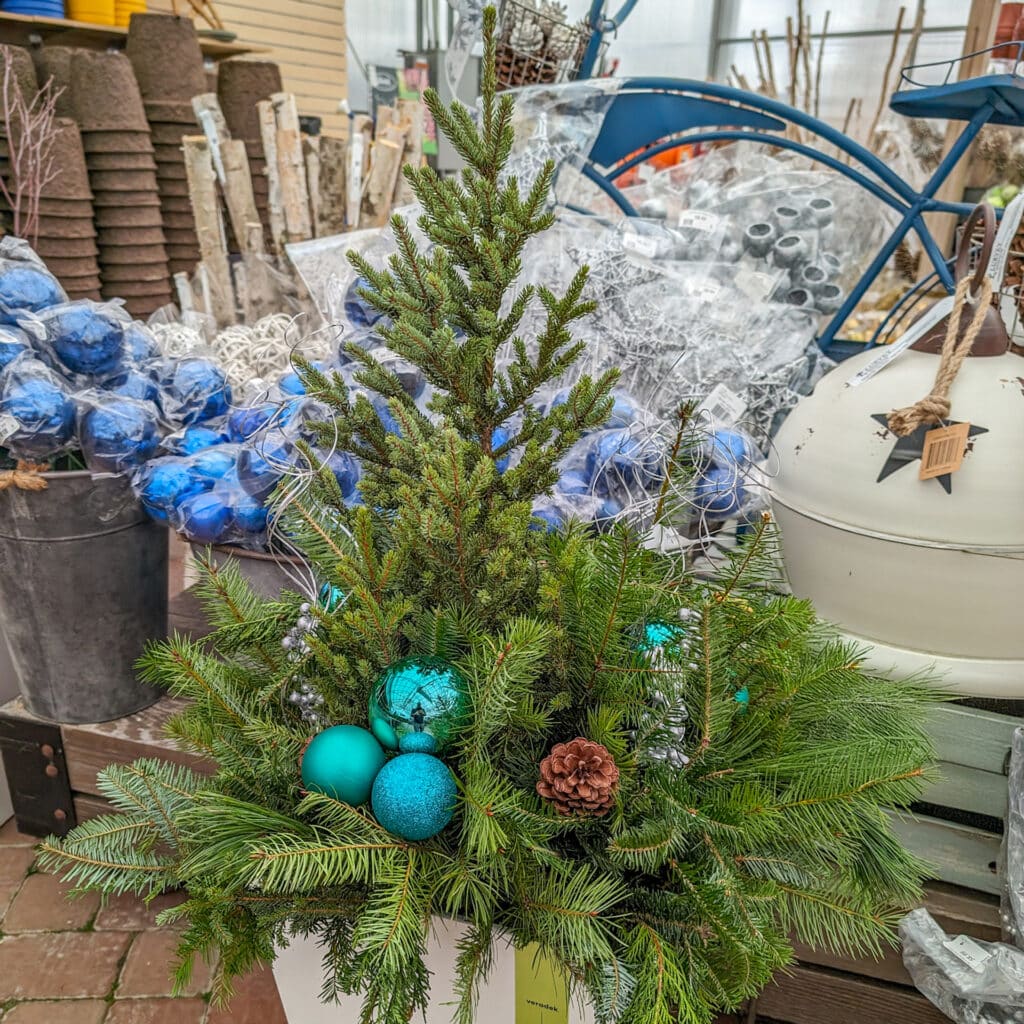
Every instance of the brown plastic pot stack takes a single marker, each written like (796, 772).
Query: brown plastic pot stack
(241, 84)
(164, 50)
(67, 235)
(122, 173)
(25, 80)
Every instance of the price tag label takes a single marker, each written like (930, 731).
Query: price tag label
(542, 988)
(756, 284)
(708, 291)
(698, 220)
(944, 449)
(967, 951)
(723, 406)
(642, 245)
(941, 309)
(9, 426)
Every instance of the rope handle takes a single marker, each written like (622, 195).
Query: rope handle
(935, 406)
(26, 476)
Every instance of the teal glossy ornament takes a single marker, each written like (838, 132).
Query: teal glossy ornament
(343, 763)
(743, 699)
(414, 796)
(660, 633)
(330, 597)
(418, 705)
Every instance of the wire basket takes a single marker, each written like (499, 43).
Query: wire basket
(537, 46)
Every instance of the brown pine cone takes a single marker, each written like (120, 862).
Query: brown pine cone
(579, 777)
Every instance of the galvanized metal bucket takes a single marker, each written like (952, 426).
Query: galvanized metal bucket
(83, 586)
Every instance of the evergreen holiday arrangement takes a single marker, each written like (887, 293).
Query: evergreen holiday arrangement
(556, 736)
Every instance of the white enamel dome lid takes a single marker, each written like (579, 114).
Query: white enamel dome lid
(839, 463)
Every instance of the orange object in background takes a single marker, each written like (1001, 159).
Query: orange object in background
(124, 9)
(659, 162)
(94, 12)
(1009, 28)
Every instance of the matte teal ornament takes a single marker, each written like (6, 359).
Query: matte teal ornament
(425, 698)
(342, 762)
(414, 796)
(656, 633)
(743, 699)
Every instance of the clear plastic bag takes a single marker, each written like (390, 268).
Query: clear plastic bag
(969, 980)
(82, 339)
(194, 389)
(26, 286)
(117, 433)
(37, 411)
(1013, 844)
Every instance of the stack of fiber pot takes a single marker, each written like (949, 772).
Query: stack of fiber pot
(24, 75)
(67, 237)
(241, 84)
(164, 50)
(122, 173)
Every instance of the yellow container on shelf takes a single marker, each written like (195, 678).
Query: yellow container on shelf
(94, 12)
(124, 9)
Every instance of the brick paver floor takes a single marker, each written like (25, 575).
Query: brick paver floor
(77, 962)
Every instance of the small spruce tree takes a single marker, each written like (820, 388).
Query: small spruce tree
(678, 902)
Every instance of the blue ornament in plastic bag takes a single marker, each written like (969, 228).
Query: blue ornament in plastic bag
(204, 518)
(358, 311)
(43, 417)
(28, 288)
(414, 796)
(133, 383)
(624, 412)
(261, 464)
(196, 438)
(198, 391)
(617, 457)
(500, 436)
(291, 384)
(719, 493)
(243, 423)
(163, 484)
(140, 344)
(423, 696)
(551, 518)
(346, 470)
(119, 434)
(84, 337)
(387, 418)
(212, 464)
(13, 342)
(729, 449)
(573, 482)
(250, 514)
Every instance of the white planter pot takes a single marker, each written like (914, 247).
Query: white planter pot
(513, 993)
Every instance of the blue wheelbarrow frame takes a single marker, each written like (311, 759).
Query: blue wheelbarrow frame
(651, 115)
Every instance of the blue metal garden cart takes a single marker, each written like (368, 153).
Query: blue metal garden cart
(651, 115)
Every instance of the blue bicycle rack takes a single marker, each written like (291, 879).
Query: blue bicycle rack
(651, 115)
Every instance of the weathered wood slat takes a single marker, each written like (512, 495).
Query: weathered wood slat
(810, 995)
(957, 853)
(971, 737)
(969, 789)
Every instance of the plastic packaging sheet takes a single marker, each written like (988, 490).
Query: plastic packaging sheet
(971, 981)
(1013, 845)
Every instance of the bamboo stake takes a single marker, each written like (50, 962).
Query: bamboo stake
(805, 58)
(769, 64)
(762, 80)
(817, 70)
(884, 94)
(791, 47)
(741, 79)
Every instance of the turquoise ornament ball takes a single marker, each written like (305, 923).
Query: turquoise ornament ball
(418, 705)
(414, 796)
(656, 633)
(342, 762)
(330, 597)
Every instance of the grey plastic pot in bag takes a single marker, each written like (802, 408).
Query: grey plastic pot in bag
(267, 574)
(83, 586)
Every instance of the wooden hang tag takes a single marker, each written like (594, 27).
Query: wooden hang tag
(944, 449)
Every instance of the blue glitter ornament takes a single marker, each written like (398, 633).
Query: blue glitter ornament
(342, 762)
(357, 309)
(84, 337)
(43, 415)
(133, 383)
(162, 485)
(204, 518)
(119, 434)
(414, 796)
(26, 287)
(139, 343)
(425, 696)
(330, 597)
(198, 391)
(250, 514)
(13, 341)
(719, 493)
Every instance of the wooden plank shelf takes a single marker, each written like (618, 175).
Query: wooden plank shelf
(26, 29)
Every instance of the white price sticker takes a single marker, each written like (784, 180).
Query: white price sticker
(723, 406)
(890, 352)
(642, 245)
(9, 426)
(699, 220)
(966, 950)
(707, 291)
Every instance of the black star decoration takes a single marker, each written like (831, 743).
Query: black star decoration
(910, 448)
